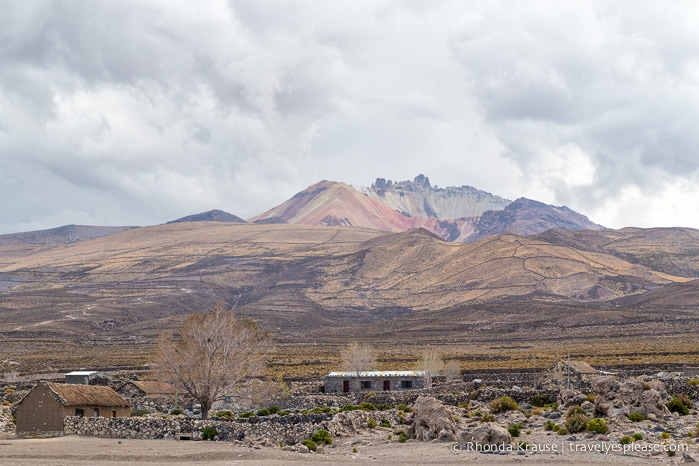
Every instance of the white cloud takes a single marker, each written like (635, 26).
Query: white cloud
(129, 112)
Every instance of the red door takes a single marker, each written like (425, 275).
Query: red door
(345, 386)
(386, 385)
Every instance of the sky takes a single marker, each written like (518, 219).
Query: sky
(131, 112)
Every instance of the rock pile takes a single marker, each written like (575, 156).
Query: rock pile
(615, 398)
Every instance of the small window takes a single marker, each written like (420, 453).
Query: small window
(406, 384)
(79, 412)
(114, 413)
(365, 384)
(96, 413)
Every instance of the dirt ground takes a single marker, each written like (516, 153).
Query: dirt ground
(74, 450)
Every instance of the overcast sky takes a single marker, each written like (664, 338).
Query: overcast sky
(139, 112)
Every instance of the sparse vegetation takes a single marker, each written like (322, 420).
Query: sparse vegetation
(598, 426)
(310, 444)
(385, 423)
(139, 412)
(502, 404)
(322, 437)
(371, 423)
(637, 436)
(540, 400)
(515, 429)
(577, 422)
(209, 433)
(679, 404)
(636, 417)
(625, 440)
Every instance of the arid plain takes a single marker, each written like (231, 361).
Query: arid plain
(608, 296)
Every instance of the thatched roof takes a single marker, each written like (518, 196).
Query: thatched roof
(86, 395)
(150, 387)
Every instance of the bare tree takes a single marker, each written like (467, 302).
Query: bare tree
(213, 353)
(431, 363)
(357, 358)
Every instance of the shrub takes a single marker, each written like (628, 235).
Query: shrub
(693, 382)
(679, 404)
(349, 407)
(590, 397)
(664, 435)
(636, 417)
(404, 408)
(637, 436)
(385, 423)
(597, 425)
(401, 419)
(548, 425)
(263, 412)
(224, 413)
(176, 412)
(354, 450)
(310, 444)
(540, 400)
(671, 452)
(577, 422)
(625, 440)
(273, 409)
(323, 409)
(322, 437)
(283, 413)
(365, 406)
(537, 411)
(208, 433)
(246, 414)
(562, 431)
(371, 423)
(575, 409)
(464, 405)
(403, 437)
(488, 418)
(514, 430)
(502, 404)
(139, 412)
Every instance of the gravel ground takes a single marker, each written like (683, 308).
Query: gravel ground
(371, 448)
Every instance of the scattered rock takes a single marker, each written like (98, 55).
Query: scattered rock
(432, 421)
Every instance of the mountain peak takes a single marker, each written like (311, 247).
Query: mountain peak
(210, 216)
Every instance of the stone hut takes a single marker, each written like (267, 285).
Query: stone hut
(41, 412)
(368, 381)
(149, 394)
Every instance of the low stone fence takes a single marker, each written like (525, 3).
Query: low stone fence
(267, 430)
(122, 427)
(290, 429)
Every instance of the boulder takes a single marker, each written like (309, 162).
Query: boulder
(432, 421)
(568, 398)
(486, 434)
(614, 398)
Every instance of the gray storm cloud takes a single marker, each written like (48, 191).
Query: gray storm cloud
(119, 112)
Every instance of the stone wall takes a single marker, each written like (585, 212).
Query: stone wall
(122, 427)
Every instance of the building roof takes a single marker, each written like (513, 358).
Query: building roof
(150, 387)
(379, 374)
(88, 373)
(85, 395)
